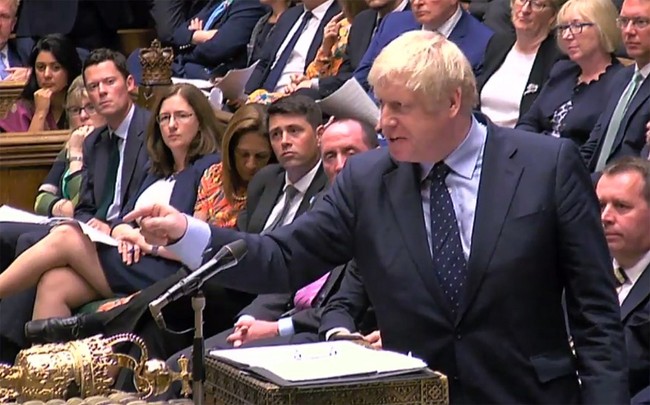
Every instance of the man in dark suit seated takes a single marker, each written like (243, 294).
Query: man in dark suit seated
(466, 235)
(620, 130)
(104, 188)
(212, 42)
(348, 314)
(273, 319)
(362, 30)
(168, 15)
(624, 194)
(293, 44)
(446, 17)
(11, 57)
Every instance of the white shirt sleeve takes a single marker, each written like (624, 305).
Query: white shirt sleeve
(190, 247)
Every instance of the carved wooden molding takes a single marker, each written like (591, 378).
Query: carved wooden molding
(9, 93)
(24, 149)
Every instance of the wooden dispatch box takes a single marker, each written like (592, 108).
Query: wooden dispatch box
(227, 385)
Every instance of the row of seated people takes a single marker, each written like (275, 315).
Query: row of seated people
(523, 80)
(125, 251)
(562, 54)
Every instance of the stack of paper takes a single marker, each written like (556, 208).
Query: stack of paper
(351, 101)
(321, 361)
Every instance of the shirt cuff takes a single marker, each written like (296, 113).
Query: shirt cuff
(245, 318)
(314, 84)
(191, 246)
(285, 326)
(334, 331)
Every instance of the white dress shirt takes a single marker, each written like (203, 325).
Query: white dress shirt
(121, 132)
(298, 58)
(301, 186)
(633, 274)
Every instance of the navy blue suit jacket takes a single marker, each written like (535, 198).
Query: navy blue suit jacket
(227, 49)
(630, 138)
(96, 155)
(469, 35)
(561, 87)
(537, 233)
(635, 314)
(274, 42)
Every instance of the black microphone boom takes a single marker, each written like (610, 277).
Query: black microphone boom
(227, 257)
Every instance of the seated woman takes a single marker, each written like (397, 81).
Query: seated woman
(221, 197)
(58, 194)
(568, 104)
(70, 270)
(328, 58)
(55, 63)
(516, 67)
(222, 190)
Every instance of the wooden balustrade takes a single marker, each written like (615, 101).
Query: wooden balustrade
(25, 160)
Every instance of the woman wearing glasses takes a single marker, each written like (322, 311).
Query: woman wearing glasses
(58, 194)
(69, 270)
(54, 63)
(516, 67)
(575, 93)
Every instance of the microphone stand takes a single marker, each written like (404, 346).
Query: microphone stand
(198, 348)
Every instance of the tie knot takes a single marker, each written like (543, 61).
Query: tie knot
(290, 191)
(638, 77)
(439, 172)
(621, 276)
(307, 16)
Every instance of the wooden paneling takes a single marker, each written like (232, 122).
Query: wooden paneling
(132, 39)
(25, 160)
(9, 93)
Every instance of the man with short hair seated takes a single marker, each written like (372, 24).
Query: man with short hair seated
(212, 42)
(446, 17)
(624, 194)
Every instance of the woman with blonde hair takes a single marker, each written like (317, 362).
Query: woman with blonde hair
(568, 105)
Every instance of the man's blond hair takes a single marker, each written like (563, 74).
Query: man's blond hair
(426, 63)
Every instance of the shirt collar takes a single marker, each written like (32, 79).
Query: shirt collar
(464, 158)
(400, 7)
(634, 272)
(448, 26)
(303, 184)
(123, 129)
(319, 12)
(645, 70)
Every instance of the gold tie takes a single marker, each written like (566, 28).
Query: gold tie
(621, 277)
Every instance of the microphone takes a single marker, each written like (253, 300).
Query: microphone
(227, 257)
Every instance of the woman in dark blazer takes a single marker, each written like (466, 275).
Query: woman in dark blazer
(569, 104)
(69, 270)
(533, 38)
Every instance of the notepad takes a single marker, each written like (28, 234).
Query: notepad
(317, 362)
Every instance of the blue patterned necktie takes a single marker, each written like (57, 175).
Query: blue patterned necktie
(275, 73)
(218, 12)
(448, 258)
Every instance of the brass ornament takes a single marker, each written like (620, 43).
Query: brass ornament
(84, 368)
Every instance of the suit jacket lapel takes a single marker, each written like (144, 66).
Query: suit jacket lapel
(500, 176)
(265, 205)
(134, 142)
(316, 186)
(318, 38)
(639, 98)
(460, 30)
(639, 292)
(402, 186)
